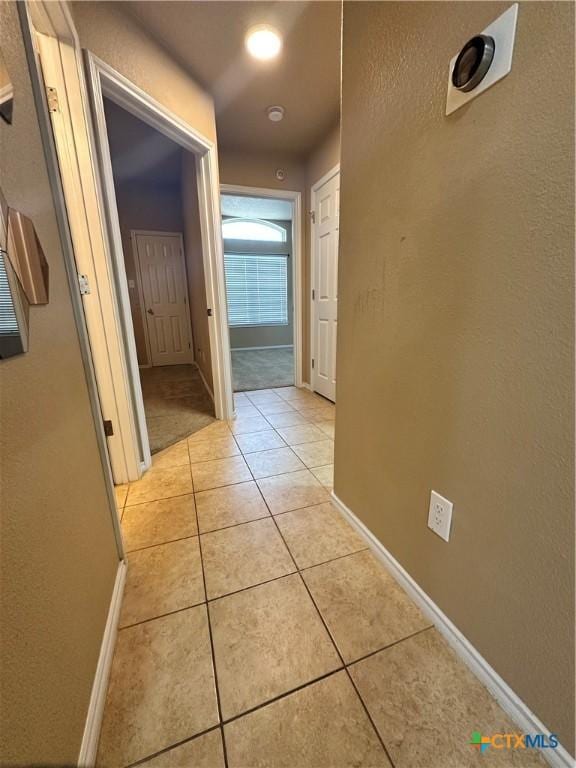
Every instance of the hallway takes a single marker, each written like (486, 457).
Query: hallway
(255, 616)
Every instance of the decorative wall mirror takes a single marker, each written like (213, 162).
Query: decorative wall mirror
(23, 279)
(6, 93)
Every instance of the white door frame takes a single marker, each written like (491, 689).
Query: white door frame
(98, 249)
(140, 288)
(313, 190)
(103, 80)
(55, 20)
(296, 199)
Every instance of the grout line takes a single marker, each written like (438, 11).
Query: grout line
(332, 638)
(173, 746)
(376, 731)
(369, 716)
(162, 615)
(161, 543)
(162, 498)
(283, 695)
(235, 525)
(216, 686)
(390, 645)
(333, 559)
(251, 586)
(215, 458)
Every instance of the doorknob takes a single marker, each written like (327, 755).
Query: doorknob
(150, 311)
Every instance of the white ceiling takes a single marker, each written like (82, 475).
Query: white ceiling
(256, 207)
(207, 38)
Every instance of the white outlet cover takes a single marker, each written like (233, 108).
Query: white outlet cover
(503, 30)
(440, 515)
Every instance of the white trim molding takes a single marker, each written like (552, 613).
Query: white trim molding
(89, 747)
(79, 128)
(296, 199)
(201, 374)
(103, 81)
(255, 349)
(510, 702)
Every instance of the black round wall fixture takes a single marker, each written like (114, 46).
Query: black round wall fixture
(473, 62)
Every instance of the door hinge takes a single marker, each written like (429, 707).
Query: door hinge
(313, 294)
(83, 284)
(312, 215)
(312, 362)
(108, 428)
(209, 312)
(52, 98)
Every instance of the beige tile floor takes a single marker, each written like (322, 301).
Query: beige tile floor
(258, 630)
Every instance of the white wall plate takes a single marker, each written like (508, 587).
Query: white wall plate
(503, 30)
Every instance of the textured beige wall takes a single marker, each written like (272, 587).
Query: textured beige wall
(118, 40)
(58, 555)
(149, 207)
(195, 267)
(325, 157)
(257, 170)
(455, 346)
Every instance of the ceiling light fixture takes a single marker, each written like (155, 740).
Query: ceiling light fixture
(275, 113)
(263, 42)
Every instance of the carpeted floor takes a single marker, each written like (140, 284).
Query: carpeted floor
(176, 403)
(262, 368)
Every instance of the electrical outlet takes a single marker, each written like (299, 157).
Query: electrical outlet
(440, 515)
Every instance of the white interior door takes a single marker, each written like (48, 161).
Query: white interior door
(325, 286)
(165, 295)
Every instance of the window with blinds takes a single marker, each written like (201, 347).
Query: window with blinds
(256, 289)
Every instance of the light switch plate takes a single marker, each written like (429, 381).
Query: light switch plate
(440, 515)
(503, 30)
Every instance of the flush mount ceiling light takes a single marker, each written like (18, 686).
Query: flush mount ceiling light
(275, 113)
(263, 42)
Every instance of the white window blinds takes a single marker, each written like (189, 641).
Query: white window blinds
(256, 289)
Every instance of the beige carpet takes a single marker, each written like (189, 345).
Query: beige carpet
(262, 368)
(176, 403)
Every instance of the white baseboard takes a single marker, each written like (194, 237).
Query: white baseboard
(510, 702)
(204, 381)
(253, 349)
(89, 747)
(305, 385)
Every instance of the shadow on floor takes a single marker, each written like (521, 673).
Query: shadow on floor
(262, 368)
(176, 403)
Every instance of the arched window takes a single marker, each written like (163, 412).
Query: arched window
(253, 229)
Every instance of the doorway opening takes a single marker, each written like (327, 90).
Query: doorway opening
(262, 275)
(158, 214)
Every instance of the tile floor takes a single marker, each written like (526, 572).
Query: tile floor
(258, 630)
